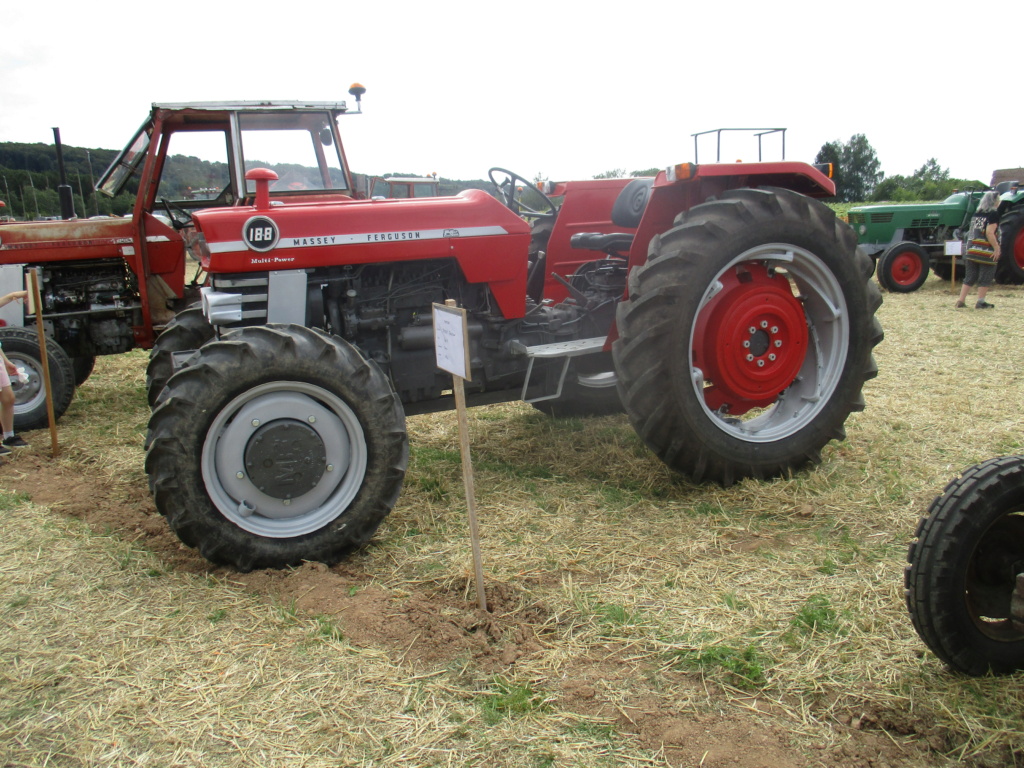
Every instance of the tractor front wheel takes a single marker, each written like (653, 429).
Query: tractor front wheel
(747, 336)
(1010, 269)
(965, 577)
(903, 268)
(22, 348)
(278, 444)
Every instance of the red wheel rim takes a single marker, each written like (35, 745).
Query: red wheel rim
(906, 268)
(1018, 249)
(750, 340)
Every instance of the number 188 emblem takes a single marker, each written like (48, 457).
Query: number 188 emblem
(260, 233)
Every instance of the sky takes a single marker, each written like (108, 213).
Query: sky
(556, 90)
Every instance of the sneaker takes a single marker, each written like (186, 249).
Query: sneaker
(979, 305)
(15, 442)
(4, 450)
(959, 305)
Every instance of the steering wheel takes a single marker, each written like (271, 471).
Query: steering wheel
(537, 204)
(180, 218)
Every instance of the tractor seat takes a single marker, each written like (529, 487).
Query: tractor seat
(612, 243)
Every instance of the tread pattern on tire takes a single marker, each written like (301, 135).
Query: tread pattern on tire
(649, 325)
(188, 330)
(243, 359)
(944, 541)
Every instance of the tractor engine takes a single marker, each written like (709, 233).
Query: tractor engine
(385, 310)
(92, 304)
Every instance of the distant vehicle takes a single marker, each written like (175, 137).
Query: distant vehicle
(908, 240)
(395, 187)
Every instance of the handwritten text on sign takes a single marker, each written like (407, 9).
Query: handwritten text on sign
(450, 341)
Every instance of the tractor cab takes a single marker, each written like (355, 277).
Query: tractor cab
(187, 157)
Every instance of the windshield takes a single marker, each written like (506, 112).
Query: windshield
(124, 165)
(299, 147)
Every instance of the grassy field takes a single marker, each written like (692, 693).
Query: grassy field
(668, 623)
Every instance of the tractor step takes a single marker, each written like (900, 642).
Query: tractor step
(563, 349)
(567, 348)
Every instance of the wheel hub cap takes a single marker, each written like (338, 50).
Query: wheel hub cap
(285, 459)
(751, 340)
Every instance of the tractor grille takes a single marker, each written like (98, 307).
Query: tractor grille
(858, 218)
(924, 223)
(253, 290)
(881, 218)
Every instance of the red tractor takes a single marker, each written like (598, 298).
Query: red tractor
(109, 283)
(722, 307)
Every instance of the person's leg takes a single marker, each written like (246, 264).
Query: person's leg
(7, 410)
(986, 276)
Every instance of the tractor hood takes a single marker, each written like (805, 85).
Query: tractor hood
(64, 239)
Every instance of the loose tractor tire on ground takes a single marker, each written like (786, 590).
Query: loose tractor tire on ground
(727, 312)
(965, 574)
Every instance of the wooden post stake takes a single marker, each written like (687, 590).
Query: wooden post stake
(452, 349)
(45, 360)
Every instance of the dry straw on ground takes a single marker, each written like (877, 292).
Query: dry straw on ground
(668, 623)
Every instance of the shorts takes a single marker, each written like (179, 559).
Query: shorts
(982, 275)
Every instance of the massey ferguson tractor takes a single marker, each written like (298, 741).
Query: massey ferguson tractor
(110, 284)
(723, 308)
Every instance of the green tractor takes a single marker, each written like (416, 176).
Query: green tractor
(907, 240)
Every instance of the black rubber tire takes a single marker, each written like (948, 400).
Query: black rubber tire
(1010, 269)
(903, 267)
(675, 324)
(189, 329)
(590, 389)
(347, 435)
(83, 367)
(22, 348)
(960, 573)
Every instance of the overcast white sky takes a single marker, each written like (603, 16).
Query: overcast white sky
(561, 89)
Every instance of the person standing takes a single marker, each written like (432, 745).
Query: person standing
(982, 250)
(8, 369)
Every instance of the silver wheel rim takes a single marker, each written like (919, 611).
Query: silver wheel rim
(32, 395)
(235, 495)
(828, 324)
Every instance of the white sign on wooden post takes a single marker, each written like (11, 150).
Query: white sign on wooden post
(450, 342)
(451, 347)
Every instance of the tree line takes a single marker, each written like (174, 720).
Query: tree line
(29, 178)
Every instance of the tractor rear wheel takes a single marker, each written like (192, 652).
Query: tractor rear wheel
(943, 271)
(22, 348)
(747, 336)
(962, 586)
(278, 444)
(83, 367)
(903, 267)
(189, 329)
(1010, 269)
